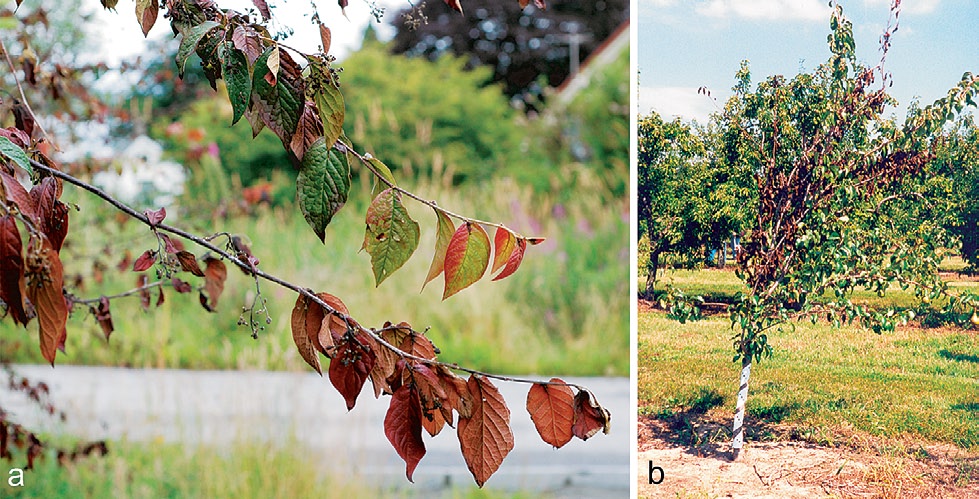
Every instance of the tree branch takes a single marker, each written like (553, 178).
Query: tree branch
(258, 273)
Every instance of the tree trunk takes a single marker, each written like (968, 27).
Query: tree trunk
(651, 268)
(738, 429)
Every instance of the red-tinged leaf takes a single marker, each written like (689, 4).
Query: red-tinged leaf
(14, 153)
(444, 234)
(304, 316)
(104, 316)
(551, 408)
(326, 38)
(343, 7)
(18, 136)
(45, 281)
(309, 129)
(126, 261)
(145, 261)
(523, 3)
(505, 242)
(215, 274)
(432, 395)
(349, 368)
(589, 416)
(263, 8)
(159, 297)
(466, 258)
(513, 262)
(23, 119)
(403, 427)
(154, 217)
(454, 5)
(180, 286)
(12, 270)
(534, 241)
(55, 226)
(146, 12)
(540, 4)
(188, 262)
(386, 358)
(485, 437)
(17, 196)
(144, 294)
(333, 328)
(248, 41)
(168, 245)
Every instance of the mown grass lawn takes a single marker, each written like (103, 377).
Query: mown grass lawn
(916, 382)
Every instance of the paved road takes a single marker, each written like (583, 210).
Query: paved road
(220, 407)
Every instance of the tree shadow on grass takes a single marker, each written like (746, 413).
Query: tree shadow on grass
(703, 434)
(959, 357)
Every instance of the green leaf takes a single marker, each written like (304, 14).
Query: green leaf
(322, 185)
(16, 154)
(189, 43)
(442, 238)
(466, 258)
(280, 103)
(238, 78)
(382, 171)
(392, 236)
(329, 101)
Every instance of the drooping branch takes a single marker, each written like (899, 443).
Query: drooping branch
(258, 273)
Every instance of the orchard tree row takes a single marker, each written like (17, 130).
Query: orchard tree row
(828, 193)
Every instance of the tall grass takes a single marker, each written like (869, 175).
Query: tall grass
(565, 311)
(245, 471)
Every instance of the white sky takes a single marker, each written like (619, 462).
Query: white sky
(687, 44)
(121, 35)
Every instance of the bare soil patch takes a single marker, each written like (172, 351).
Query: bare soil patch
(695, 455)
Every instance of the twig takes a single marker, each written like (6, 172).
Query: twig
(351, 323)
(432, 204)
(145, 287)
(13, 72)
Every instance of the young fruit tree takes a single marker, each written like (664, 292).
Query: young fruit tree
(297, 96)
(836, 184)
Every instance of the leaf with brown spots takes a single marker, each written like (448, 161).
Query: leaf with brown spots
(104, 316)
(351, 364)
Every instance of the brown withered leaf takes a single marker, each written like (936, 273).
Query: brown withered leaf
(551, 408)
(403, 427)
(215, 274)
(23, 118)
(326, 38)
(456, 391)
(188, 262)
(145, 261)
(45, 281)
(55, 225)
(384, 367)
(180, 286)
(104, 316)
(309, 129)
(159, 297)
(351, 364)
(417, 344)
(12, 270)
(589, 416)
(146, 13)
(431, 394)
(43, 196)
(300, 314)
(485, 437)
